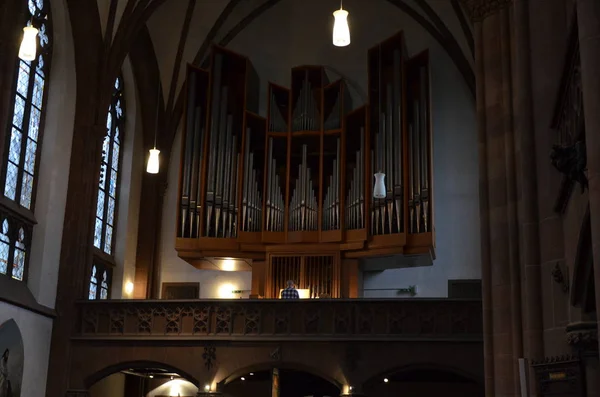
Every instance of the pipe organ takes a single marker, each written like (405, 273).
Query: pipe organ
(302, 177)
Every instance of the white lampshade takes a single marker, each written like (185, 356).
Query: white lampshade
(379, 189)
(28, 49)
(153, 161)
(341, 30)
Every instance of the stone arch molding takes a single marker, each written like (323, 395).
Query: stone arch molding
(268, 366)
(105, 372)
(426, 366)
(12, 358)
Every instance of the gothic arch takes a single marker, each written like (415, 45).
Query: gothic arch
(12, 350)
(268, 366)
(142, 364)
(425, 367)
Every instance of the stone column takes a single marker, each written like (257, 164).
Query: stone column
(499, 195)
(527, 174)
(588, 17)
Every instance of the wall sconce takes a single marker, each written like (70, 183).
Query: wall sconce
(129, 288)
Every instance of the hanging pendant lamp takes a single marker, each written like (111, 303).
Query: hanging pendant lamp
(341, 30)
(28, 49)
(379, 189)
(153, 166)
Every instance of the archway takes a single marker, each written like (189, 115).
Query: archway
(142, 378)
(292, 381)
(425, 380)
(12, 358)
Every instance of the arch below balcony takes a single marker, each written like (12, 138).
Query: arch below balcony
(425, 373)
(269, 366)
(136, 365)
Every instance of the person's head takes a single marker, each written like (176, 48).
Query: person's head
(5, 355)
(291, 284)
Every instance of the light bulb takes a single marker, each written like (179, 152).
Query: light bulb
(153, 163)
(379, 189)
(28, 49)
(128, 288)
(341, 30)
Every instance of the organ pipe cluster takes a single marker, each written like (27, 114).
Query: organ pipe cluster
(303, 215)
(306, 113)
(191, 207)
(355, 200)
(275, 200)
(331, 202)
(418, 197)
(386, 156)
(235, 171)
(223, 160)
(252, 199)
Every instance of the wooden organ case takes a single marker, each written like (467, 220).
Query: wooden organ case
(295, 189)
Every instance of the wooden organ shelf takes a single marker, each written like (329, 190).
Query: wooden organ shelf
(300, 181)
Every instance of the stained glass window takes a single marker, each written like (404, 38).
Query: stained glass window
(24, 131)
(99, 281)
(106, 211)
(14, 245)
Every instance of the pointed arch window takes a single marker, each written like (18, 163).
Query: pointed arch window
(24, 135)
(108, 190)
(23, 138)
(14, 247)
(106, 211)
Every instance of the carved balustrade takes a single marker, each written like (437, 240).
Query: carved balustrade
(318, 319)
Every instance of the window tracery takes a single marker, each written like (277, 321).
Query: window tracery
(108, 189)
(25, 129)
(23, 134)
(106, 210)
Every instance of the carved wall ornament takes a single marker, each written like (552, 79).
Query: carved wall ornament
(276, 354)
(209, 356)
(583, 336)
(478, 10)
(560, 279)
(571, 161)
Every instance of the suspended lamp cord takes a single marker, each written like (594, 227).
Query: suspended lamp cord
(157, 108)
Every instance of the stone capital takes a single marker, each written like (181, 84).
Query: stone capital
(583, 336)
(478, 10)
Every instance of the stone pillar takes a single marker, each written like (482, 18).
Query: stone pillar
(500, 174)
(588, 17)
(527, 174)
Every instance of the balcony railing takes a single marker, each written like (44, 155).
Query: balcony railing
(336, 319)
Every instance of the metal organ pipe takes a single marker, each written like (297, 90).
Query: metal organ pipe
(274, 196)
(424, 149)
(213, 144)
